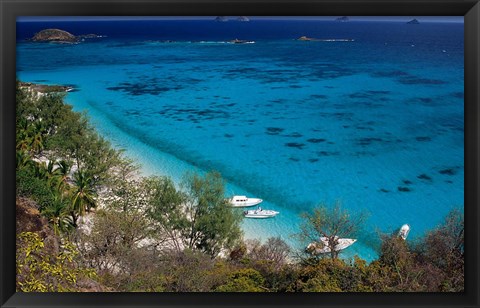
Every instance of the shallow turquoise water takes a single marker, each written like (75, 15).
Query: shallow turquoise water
(376, 123)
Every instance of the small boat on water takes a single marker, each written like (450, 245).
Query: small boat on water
(259, 213)
(323, 247)
(404, 231)
(243, 201)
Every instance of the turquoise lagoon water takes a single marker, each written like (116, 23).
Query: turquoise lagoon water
(375, 123)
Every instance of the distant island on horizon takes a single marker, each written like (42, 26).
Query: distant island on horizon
(343, 19)
(225, 18)
(60, 36)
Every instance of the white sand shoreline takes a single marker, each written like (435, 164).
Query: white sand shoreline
(148, 158)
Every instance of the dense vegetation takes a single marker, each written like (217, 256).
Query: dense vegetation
(94, 220)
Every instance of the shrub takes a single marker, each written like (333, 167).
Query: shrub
(27, 185)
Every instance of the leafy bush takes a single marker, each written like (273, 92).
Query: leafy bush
(244, 280)
(27, 185)
(39, 270)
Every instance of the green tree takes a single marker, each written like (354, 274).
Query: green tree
(98, 159)
(23, 159)
(209, 224)
(28, 185)
(113, 239)
(49, 169)
(332, 223)
(127, 190)
(319, 276)
(23, 102)
(120, 231)
(22, 136)
(83, 195)
(405, 274)
(50, 111)
(330, 275)
(61, 176)
(58, 214)
(71, 134)
(37, 138)
(40, 170)
(243, 280)
(38, 118)
(443, 248)
(166, 210)
(25, 132)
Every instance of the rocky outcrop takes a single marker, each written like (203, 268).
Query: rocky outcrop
(42, 88)
(243, 18)
(413, 22)
(304, 38)
(88, 36)
(54, 35)
(29, 219)
(343, 19)
(312, 39)
(61, 36)
(221, 18)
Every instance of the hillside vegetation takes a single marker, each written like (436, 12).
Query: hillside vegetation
(88, 221)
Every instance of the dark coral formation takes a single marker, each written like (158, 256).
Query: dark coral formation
(423, 176)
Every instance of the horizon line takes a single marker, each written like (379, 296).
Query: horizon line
(426, 19)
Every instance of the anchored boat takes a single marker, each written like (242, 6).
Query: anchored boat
(259, 213)
(243, 201)
(323, 247)
(404, 231)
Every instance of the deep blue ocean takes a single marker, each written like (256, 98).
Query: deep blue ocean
(376, 123)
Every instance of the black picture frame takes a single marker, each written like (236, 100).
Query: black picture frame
(10, 9)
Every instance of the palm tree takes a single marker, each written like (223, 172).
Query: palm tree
(83, 196)
(23, 159)
(40, 170)
(23, 132)
(49, 169)
(30, 136)
(57, 214)
(36, 142)
(62, 172)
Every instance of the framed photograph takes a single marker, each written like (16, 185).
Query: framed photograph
(226, 153)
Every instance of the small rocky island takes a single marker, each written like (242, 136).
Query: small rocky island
(342, 19)
(311, 39)
(413, 22)
(43, 88)
(243, 18)
(221, 18)
(54, 35)
(60, 36)
(304, 38)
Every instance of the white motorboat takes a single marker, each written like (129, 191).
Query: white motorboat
(243, 201)
(404, 231)
(323, 247)
(259, 213)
